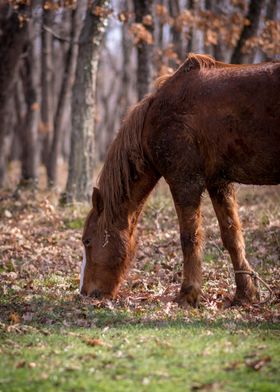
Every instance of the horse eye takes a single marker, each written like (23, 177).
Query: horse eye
(87, 242)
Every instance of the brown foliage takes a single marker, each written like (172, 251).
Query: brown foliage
(140, 34)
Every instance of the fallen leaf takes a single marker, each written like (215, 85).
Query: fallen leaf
(257, 364)
(215, 386)
(233, 366)
(146, 381)
(21, 364)
(14, 318)
(72, 368)
(94, 342)
(7, 214)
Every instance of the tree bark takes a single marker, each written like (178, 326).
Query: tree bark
(271, 13)
(31, 78)
(190, 6)
(126, 67)
(13, 39)
(47, 78)
(7, 128)
(197, 35)
(79, 183)
(144, 50)
(177, 37)
(271, 10)
(249, 31)
(65, 92)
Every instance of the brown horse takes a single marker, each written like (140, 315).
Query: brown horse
(208, 125)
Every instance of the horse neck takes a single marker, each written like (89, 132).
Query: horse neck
(139, 191)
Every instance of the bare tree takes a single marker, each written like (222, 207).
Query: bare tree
(271, 9)
(79, 183)
(271, 13)
(65, 91)
(197, 36)
(126, 65)
(47, 107)
(249, 31)
(31, 77)
(144, 50)
(13, 38)
(177, 37)
(7, 125)
(190, 6)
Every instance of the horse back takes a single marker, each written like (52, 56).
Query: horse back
(222, 122)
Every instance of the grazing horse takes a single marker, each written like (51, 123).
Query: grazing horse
(205, 127)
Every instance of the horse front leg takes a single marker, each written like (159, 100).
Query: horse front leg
(189, 217)
(225, 206)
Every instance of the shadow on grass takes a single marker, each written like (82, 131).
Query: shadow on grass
(49, 314)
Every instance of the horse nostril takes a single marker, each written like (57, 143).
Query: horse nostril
(96, 294)
(87, 242)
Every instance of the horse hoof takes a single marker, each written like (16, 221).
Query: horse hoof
(242, 300)
(188, 296)
(246, 296)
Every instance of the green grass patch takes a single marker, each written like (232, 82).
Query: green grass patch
(75, 224)
(151, 356)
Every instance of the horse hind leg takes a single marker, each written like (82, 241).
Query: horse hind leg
(225, 206)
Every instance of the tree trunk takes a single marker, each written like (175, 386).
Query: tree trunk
(197, 37)
(13, 38)
(249, 31)
(20, 112)
(47, 76)
(31, 78)
(271, 13)
(7, 127)
(271, 10)
(65, 92)
(190, 6)
(144, 50)
(160, 40)
(79, 183)
(177, 37)
(126, 68)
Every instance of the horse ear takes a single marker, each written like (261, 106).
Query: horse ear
(97, 202)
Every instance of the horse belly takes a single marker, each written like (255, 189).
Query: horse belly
(265, 174)
(254, 159)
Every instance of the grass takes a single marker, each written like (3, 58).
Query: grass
(77, 223)
(160, 356)
(51, 339)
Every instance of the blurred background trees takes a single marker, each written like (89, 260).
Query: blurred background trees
(70, 69)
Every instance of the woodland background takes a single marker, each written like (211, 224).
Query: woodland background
(70, 69)
(68, 72)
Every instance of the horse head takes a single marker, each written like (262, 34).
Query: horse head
(106, 254)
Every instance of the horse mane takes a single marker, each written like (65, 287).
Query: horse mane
(193, 61)
(200, 61)
(124, 160)
(161, 80)
(205, 61)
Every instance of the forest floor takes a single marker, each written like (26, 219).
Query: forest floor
(52, 339)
